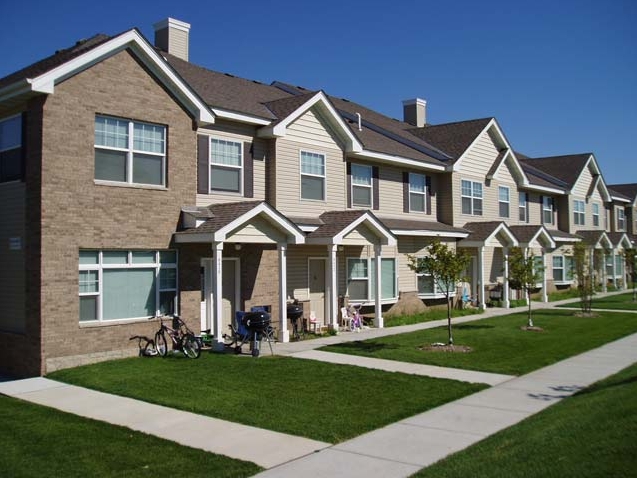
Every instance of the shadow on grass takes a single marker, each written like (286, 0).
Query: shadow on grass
(607, 384)
(367, 346)
(473, 326)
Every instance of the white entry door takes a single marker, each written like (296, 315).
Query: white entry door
(230, 293)
(316, 282)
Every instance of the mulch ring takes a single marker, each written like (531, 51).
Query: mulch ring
(440, 347)
(532, 329)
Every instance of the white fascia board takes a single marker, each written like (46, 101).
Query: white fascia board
(45, 83)
(15, 89)
(507, 232)
(543, 236)
(399, 161)
(280, 129)
(308, 228)
(510, 152)
(381, 231)
(240, 117)
(422, 233)
(567, 239)
(618, 199)
(287, 227)
(458, 164)
(625, 242)
(544, 189)
(604, 238)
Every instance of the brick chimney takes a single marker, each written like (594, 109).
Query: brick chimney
(172, 36)
(415, 112)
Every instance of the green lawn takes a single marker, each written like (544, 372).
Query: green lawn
(592, 434)
(37, 441)
(499, 345)
(322, 401)
(428, 316)
(616, 302)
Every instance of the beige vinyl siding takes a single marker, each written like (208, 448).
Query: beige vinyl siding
(12, 272)
(259, 231)
(581, 187)
(308, 133)
(480, 157)
(245, 134)
(415, 246)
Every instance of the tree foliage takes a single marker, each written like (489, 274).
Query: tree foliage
(524, 274)
(446, 266)
(584, 271)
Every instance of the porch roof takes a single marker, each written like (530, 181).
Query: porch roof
(222, 220)
(409, 227)
(481, 233)
(337, 225)
(527, 234)
(597, 239)
(561, 236)
(620, 239)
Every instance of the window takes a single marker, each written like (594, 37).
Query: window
(595, 214)
(127, 284)
(524, 215)
(619, 265)
(226, 165)
(547, 210)
(129, 152)
(471, 198)
(503, 201)
(11, 149)
(563, 268)
(609, 265)
(417, 192)
(428, 287)
(538, 266)
(361, 280)
(361, 185)
(621, 219)
(579, 212)
(312, 176)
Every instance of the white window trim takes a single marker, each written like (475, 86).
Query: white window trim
(371, 270)
(507, 202)
(301, 174)
(621, 219)
(365, 186)
(523, 206)
(579, 216)
(547, 206)
(565, 280)
(595, 207)
(100, 267)
(437, 293)
(419, 193)
(225, 166)
(130, 151)
(472, 197)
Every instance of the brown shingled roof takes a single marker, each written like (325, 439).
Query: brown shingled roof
(566, 168)
(629, 191)
(413, 225)
(453, 138)
(222, 215)
(481, 231)
(335, 221)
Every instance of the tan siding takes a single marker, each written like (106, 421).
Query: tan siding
(480, 157)
(415, 246)
(580, 188)
(258, 231)
(240, 133)
(310, 129)
(12, 271)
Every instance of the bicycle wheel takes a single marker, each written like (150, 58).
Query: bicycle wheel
(160, 343)
(190, 346)
(150, 350)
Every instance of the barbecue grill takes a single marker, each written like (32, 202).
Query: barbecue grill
(256, 324)
(295, 311)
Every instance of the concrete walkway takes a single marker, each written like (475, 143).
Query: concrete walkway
(396, 450)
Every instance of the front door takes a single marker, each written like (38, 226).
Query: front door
(316, 282)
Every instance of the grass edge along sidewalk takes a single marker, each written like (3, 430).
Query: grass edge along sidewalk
(622, 301)
(499, 345)
(592, 434)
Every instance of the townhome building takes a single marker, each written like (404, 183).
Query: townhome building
(135, 184)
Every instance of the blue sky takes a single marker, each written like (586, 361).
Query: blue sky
(560, 76)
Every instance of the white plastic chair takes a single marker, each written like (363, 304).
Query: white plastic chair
(346, 319)
(315, 324)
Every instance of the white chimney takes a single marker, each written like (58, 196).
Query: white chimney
(172, 36)
(415, 112)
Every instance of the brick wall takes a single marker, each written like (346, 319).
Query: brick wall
(77, 213)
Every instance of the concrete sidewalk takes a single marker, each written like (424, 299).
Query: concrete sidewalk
(402, 448)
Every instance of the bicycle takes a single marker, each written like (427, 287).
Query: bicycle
(148, 349)
(181, 337)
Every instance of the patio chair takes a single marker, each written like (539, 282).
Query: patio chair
(346, 319)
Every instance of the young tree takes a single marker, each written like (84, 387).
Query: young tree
(446, 267)
(631, 268)
(583, 259)
(524, 273)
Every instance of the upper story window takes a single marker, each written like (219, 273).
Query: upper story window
(361, 185)
(129, 151)
(417, 192)
(523, 207)
(579, 212)
(621, 219)
(503, 201)
(471, 198)
(547, 210)
(226, 165)
(11, 149)
(595, 207)
(312, 176)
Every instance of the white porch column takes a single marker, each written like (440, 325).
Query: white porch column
(614, 270)
(545, 293)
(604, 276)
(505, 292)
(332, 293)
(378, 312)
(217, 268)
(483, 302)
(284, 333)
(624, 281)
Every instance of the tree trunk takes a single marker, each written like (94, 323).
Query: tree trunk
(449, 320)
